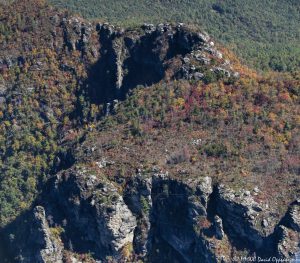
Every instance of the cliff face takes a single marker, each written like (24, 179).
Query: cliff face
(45, 246)
(119, 59)
(154, 53)
(154, 217)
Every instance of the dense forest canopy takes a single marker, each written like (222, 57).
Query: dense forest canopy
(265, 33)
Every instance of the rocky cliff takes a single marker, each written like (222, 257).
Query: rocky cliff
(152, 217)
(122, 59)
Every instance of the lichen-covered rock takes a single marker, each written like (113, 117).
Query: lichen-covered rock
(138, 198)
(41, 246)
(176, 211)
(288, 244)
(162, 218)
(95, 211)
(144, 56)
(51, 248)
(115, 222)
(293, 216)
(248, 221)
(205, 188)
(76, 34)
(218, 225)
(240, 213)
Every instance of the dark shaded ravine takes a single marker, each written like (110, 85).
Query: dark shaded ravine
(128, 60)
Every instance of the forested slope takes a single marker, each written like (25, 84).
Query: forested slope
(112, 137)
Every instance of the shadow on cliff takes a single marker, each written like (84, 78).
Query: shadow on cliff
(12, 237)
(126, 62)
(122, 68)
(172, 232)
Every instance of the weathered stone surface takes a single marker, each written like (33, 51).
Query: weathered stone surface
(218, 224)
(133, 57)
(198, 202)
(51, 247)
(40, 245)
(293, 216)
(288, 244)
(107, 222)
(239, 214)
(164, 219)
(138, 198)
(154, 213)
(176, 209)
(115, 221)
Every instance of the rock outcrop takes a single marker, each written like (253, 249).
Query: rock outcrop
(93, 212)
(288, 244)
(132, 58)
(289, 233)
(152, 216)
(241, 215)
(137, 196)
(121, 59)
(142, 56)
(50, 248)
(34, 241)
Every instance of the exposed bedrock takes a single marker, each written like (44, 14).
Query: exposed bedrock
(146, 56)
(150, 216)
(95, 215)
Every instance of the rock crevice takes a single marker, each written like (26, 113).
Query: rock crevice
(161, 218)
(129, 58)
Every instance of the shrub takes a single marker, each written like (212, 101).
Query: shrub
(145, 205)
(180, 156)
(215, 150)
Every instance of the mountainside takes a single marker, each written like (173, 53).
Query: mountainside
(265, 33)
(148, 144)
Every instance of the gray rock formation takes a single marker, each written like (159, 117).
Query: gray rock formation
(177, 208)
(138, 198)
(289, 233)
(218, 224)
(288, 244)
(115, 222)
(106, 224)
(41, 245)
(129, 58)
(51, 248)
(240, 214)
(163, 219)
(293, 216)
